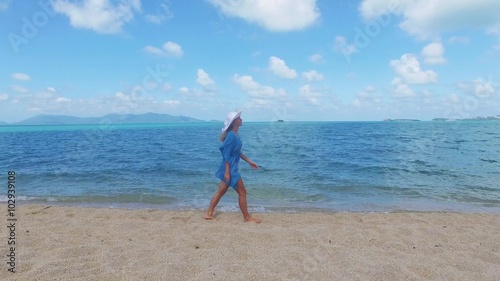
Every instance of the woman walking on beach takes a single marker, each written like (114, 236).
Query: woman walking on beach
(228, 172)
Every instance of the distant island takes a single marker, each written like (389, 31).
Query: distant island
(477, 118)
(146, 118)
(400, 120)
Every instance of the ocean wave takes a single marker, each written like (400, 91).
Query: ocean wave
(121, 198)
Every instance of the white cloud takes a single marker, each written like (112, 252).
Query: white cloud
(316, 58)
(279, 67)
(4, 97)
(408, 67)
(149, 85)
(169, 48)
(371, 9)
(246, 82)
(184, 90)
(357, 103)
(310, 95)
(154, 51)
(368, 91)
(255, 90)
(256, 54)
(135, 100)
(401, 90)
(156, 19)
(433, 54)
(341, 46)
(276, 15)
(458, 40)
(122, 96)
(167, 87)
(47, 93)
(134, 97)
(204, 80)
(102, 16)
(49, 100)
(427, 94)
(453, 98)
(313, 75)
(173, 49)
(495, 30)
(164, 14)
(367, 98)
(21, 76)
(62, 100)
(19, 89)
(428, 18)
(172, 103)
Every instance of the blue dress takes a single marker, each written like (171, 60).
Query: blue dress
(231, 153)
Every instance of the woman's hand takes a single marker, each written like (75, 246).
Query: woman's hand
(250, 162)
(253, 165)
(227, 176)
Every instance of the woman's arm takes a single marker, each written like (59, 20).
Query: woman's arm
(250, 162)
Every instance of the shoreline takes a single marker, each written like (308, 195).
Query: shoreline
(68, 242)
(233, 207)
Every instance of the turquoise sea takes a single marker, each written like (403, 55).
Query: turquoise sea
(333, 166)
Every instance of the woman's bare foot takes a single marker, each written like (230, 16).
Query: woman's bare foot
(209, 217)
(252, 219)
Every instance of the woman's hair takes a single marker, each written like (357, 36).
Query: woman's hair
(222, 136)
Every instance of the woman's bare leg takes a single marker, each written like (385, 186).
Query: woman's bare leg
(242, 200)
(209, 215)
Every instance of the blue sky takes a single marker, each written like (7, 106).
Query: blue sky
(296, 60)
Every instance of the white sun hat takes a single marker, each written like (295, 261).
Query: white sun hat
(230, 118)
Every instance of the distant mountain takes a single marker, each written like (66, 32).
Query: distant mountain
(146, 118)
(3, 123)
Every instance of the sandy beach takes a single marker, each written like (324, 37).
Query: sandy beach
(76, 243)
